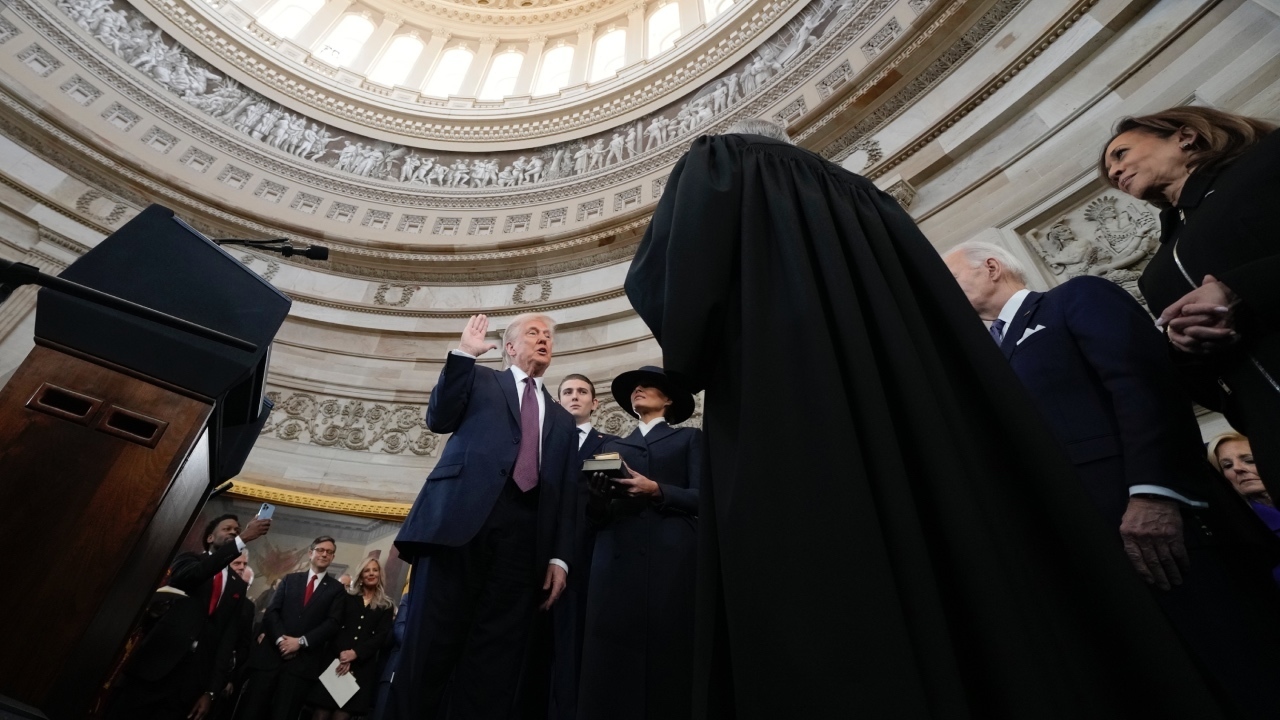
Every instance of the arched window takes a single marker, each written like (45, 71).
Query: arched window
(501, 80)
(394, 65)
(554, 73)
(713, 8)
(450, 71)
(664, 29)
(287, 17)
(343, 44)
(610, 53)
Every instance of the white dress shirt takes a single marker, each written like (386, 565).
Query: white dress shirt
(646, 427)
(1008, 313)
(584, 432)
(520, 375)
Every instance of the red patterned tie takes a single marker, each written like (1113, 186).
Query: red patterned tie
(217, 593)
(526, 472)
(311, 587)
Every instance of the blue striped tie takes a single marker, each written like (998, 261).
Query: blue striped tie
(997, 331)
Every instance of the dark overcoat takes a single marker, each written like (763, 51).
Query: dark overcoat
(637, 655)
(1225, 225)
(887, 528)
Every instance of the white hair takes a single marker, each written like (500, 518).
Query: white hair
(977, 252)
(756, 126)
(516, 326)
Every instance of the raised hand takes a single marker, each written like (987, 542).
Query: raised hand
(473, 341)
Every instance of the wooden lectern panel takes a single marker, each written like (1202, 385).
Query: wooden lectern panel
(93, 484)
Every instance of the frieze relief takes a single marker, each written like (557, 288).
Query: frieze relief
(128, 35)
(350, 424)
(1110, 237)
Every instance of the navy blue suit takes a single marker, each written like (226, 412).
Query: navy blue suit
(480, 547)
(1101, 375)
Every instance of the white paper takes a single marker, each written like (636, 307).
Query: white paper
(341, 687)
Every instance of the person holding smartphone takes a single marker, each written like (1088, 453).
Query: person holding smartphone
(637, 655)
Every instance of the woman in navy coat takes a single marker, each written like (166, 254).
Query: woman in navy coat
(637, 656)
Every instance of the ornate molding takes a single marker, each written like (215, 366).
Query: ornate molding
(373, 509)
(1107, 236)
(350, 424)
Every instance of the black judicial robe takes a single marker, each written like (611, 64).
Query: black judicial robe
(887, 529)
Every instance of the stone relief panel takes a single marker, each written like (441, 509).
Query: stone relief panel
(412, 224)
(136, 41)
(402, 294)
(306, 203)
(881, 39)
(97, 205)
(376, 219)
(271, 266)
(272, 192)
(517, 223)
(446, 226)
(626, 199)
(120, 117)
(197, 159)
(159, 140)
(341, 212)
(39, 60)
(792, 112)
(660, 184)
(482, 226)
(1110, 236)
(520, 295)
(351, 424)
(903, 193)
(553, 218)
(80, 90)
(591, 209)
(8, 30)
(835, 79)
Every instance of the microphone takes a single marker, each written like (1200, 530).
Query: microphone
(279, 245)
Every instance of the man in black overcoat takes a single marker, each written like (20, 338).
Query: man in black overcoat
(1100, 372)
(303, 616)
(184, 661)
(493, 531)
(887, 528)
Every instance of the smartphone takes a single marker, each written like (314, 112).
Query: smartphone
(266, 511)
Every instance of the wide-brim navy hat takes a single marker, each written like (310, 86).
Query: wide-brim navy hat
(682, 403)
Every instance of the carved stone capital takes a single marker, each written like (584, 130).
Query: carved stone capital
(393, 19)
(538, 39)
(489, 40)
(441, 33)
(636, 7)
(587, 29)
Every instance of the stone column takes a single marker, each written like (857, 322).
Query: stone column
(418, 75)
(479, 64)
(582, 54)
(528, 70)
(636, 32)
(321, 23)
(376, 44)
(690, 16)
(23, 300)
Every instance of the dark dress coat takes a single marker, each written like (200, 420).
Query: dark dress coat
(887, 527)
(637, 653)
(365, 630)
(1225, 225)
(188, 651)
(318, 621)
(1101, 376)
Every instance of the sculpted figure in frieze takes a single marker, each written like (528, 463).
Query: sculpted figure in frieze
(127, 34)
(1101, 239)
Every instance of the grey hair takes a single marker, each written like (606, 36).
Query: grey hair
(977, 252)
(756, 126)
(516, 326)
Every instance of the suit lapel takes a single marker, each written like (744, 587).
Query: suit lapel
(1021, 321)
(548, 416)
(507, 381)
(659, 432)
(635, 440)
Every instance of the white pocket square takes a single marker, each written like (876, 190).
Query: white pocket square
(1029, 332)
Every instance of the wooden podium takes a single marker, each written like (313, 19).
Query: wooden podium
(112, 433)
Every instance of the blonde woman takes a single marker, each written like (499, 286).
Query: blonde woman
(1233, 456)
(367, 614)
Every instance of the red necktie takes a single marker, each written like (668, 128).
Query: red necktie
(526, 472)
(311, 587)
(217, 593)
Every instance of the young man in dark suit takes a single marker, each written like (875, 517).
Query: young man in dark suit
(493, 531)
(184, 660)
(302, 617)
(1100, 373)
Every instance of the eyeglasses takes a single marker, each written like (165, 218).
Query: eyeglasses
(322, 551)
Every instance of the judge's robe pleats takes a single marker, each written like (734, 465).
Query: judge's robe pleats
(887, 529)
